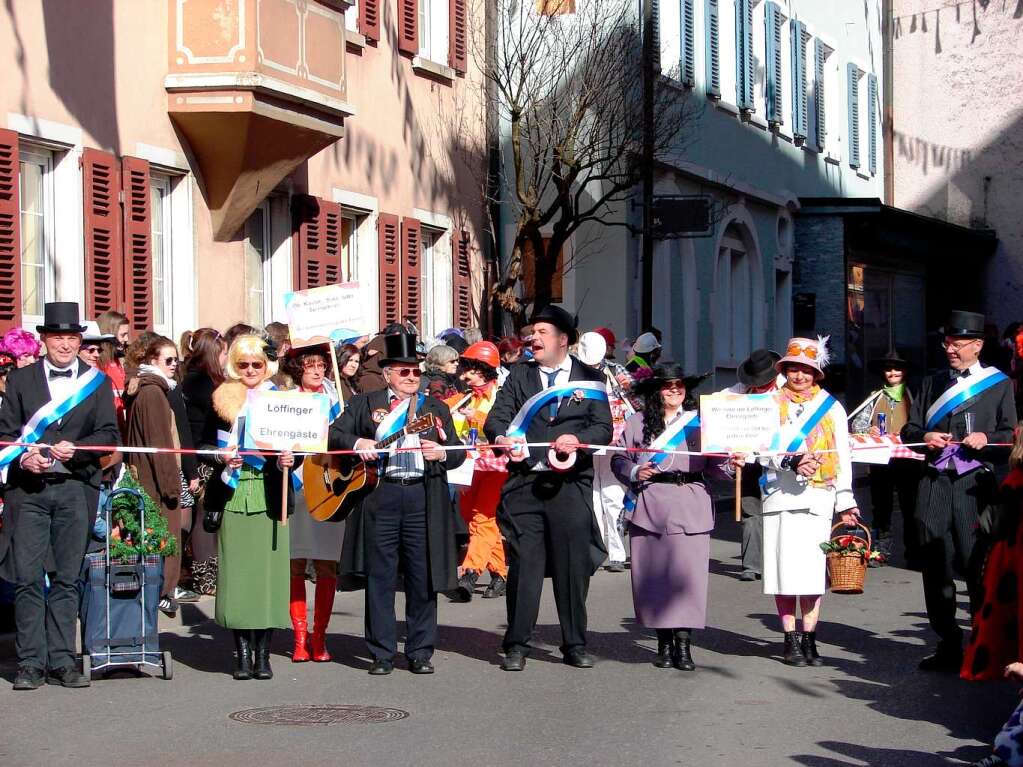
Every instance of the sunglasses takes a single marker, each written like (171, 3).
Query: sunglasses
(674, 385)
(170, 361)
(406, 372)
(247, 365)
(810, 350)
(90, 350)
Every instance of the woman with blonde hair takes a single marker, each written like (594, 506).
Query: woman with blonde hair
(243, 503)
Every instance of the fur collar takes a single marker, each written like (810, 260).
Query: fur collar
(229, 399)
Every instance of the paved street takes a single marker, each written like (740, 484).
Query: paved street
(868, 706)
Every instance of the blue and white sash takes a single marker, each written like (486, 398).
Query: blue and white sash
(577, 389)
(51, 412)
(813, 414)
(674, 435)
(962, 390)
(396, 420)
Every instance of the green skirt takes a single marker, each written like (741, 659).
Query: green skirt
(254, 561)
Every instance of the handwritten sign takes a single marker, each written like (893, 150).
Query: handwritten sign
(319, 314)
(738, 423)
(287, 420)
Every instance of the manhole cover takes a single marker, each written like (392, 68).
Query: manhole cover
(311, 716)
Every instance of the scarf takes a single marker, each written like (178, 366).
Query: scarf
(153, 370)
(894, 393)
(820, 438)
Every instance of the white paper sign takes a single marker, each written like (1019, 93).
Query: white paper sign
(287, 420)
(738, 423)
(462, 476)
(318, 314)
(865, 449)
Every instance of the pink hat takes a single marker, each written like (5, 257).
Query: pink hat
(806, 351)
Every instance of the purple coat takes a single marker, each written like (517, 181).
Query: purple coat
(668, 508)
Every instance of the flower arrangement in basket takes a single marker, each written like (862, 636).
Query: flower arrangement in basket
(848, 557)
(127, 538)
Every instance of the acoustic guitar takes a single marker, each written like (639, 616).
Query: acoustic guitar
(334, 485)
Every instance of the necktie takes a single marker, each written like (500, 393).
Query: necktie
(552, 409)
(60, 374)
(395, 402)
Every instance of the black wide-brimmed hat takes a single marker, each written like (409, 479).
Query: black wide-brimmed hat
(963, 325)
(399, 349)
(758, 368)
(60, 317)
(669, 371)
(560, 319)
(890, 361)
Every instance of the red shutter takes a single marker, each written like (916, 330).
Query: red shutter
(408, 26)
(104, 273)
(317, 242)
(138, 242)
(411, 271)
(461, 281)
(389, 268)
(457, 42)
(10, 232)
(369, 19)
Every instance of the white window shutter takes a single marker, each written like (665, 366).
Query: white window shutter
(744, 75)
(713, 49)
(799, 111)
(819, 95)
(853, 90)
(872, 130)
(687, 35)
(772, 25)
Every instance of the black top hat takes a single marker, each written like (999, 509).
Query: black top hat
(890, 361)
(758, 368)
(963, 325)
(669, 371)
(560, 319)
(399, 349)
(60, 317)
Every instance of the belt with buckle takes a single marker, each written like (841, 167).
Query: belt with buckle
(403, 481)
(676, 478)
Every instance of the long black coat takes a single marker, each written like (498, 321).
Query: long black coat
(93, 422)
(356, 422)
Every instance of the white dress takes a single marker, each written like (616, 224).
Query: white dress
(798, 518)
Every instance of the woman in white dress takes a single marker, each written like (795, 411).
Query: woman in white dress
(802, 492)
(312, 540)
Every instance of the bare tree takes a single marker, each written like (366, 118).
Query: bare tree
(565, 79)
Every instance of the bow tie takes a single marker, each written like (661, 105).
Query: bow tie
(60, 374)
(960, 374)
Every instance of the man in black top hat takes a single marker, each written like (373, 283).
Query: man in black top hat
(756, 375)
(546, 516)
(408, 518)
(959, 412)
(52, 493)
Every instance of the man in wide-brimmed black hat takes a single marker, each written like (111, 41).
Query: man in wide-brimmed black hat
(408, 518)
(960, 411)
(52, 493)
(757, 375)
(546, 516)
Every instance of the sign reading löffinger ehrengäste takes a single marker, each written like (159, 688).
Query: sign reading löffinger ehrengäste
(738, 423)
(287, 420)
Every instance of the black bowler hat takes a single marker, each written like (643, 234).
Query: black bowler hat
(60, 317)
(963, 325)
(890, 361)
(669, 371)
(560, 319)
(758, 368)
(399, 349)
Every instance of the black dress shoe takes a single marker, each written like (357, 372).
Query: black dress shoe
(944, 660)
(67, 677)
(381, 667)
(514, 661)
(578, 658)
(29, 678)
(417, 666)
(497, 588)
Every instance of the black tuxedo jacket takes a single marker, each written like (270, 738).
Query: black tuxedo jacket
(589, 420)
(994, 413)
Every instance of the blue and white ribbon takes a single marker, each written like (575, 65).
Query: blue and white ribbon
(51, 412)
(232, 439)
(396, 420)
(578, 389)
(964, 389)
(818, 407)
(676, 434)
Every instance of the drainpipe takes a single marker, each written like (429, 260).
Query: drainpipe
(647, 258)
(888, 110)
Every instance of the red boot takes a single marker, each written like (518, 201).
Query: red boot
(298, 619)
(324, 606)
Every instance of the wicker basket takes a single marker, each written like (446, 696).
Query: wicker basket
(847, 572)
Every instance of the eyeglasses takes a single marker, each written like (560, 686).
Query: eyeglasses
(247, 365)
(809, 350)
(406, 372)
(673, 385)
(170, 361)
(314, 366)
(955, 346)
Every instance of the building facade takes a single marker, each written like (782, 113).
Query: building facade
(189, 163)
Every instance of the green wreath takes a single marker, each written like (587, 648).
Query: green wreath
(126, 536)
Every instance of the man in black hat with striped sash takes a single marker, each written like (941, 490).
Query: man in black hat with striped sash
(960, 411)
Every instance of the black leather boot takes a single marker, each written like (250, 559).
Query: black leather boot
(466, 586)
(682, 658)
(261, 642)
(809, 647)
(242, 655)
(793, 655)
(665, 648)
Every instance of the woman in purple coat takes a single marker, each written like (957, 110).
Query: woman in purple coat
(672, 513)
